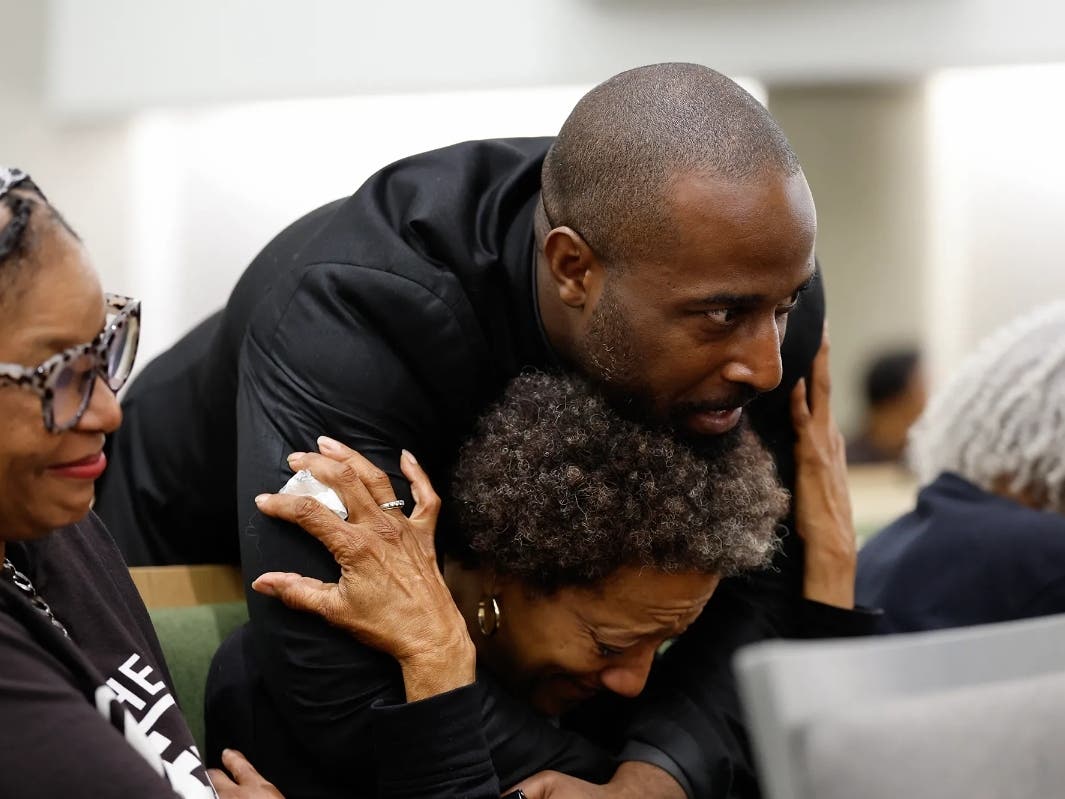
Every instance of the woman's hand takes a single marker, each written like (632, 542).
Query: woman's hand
(822, 500)
(390, 595)
(632, 780)
(246, 782)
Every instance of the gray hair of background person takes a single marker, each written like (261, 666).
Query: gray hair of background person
(1000, 420)
(556, 489)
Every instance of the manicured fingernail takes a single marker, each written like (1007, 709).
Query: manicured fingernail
(409, 456)
(259, 500)
(325, 442)
(295, 456)
(263, 587)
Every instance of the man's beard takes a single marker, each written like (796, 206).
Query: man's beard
(609, 357)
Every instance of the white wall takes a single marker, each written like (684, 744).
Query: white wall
(173, 204)
(119, 55)
(212, 187)
(863, 150)
(940, 207)
(997, 201)
(82, 167)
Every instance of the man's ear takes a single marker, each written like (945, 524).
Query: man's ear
(572, 264)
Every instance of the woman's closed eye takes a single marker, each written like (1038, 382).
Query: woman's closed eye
(606, 650)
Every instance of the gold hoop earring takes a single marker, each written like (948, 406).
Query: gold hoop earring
(489, 616)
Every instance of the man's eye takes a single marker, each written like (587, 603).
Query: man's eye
(722, 316)
(608, 651)
(789, 306)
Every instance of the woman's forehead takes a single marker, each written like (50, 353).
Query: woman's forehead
(646, 600)
(55, 300)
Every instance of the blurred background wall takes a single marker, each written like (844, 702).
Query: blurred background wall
(178, 137)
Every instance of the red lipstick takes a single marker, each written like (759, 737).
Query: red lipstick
(87, 468)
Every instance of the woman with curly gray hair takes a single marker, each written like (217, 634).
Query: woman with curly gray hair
(576, 544)
(595, 538)
(986, 542)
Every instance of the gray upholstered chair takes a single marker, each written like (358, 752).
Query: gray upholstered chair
(970, 713)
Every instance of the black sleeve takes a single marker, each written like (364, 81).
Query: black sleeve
(818, 620)
(688, 720)
(435, 747)
(55, 743)
(330, 359)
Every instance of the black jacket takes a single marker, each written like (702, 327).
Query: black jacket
(390, 320)
(964, 556)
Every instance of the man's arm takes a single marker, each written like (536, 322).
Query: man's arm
(318, 364)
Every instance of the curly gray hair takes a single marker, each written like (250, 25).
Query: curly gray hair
(1001, 417)
(556, 489)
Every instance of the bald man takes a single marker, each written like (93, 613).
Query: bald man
(662, 245)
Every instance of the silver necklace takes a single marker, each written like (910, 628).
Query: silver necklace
(23, 584)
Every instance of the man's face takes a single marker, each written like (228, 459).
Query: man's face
(690, 335)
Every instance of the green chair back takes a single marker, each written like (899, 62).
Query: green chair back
(189, 637)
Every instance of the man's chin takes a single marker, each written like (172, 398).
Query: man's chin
(712, 445)
(709, 433)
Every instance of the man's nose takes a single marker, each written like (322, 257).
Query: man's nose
(756, 359)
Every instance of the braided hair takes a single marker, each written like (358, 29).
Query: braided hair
(14, 185)
(24, 201)
(1000, 420)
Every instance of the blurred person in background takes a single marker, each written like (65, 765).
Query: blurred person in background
(662, 245)
(895, 394)
(986, 542)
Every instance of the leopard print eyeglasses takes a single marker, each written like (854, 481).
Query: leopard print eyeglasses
(65, 381)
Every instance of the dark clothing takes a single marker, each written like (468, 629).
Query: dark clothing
(92, 715)
(449, 732)
(391, 320)
(964, 556)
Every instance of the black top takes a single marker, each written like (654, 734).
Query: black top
(92, 715)
(391, 320)
(964, 556)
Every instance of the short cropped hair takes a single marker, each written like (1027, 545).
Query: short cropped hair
(556, 489)
(889, 374)
(626, 142)
(1002, 414)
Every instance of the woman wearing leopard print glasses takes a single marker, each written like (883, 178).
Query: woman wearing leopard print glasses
(85, 697)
